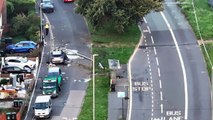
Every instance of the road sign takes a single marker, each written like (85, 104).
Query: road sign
(121, 94)
(114, 64)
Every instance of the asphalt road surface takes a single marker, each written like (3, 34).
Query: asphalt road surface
(68, 30)
(169, 76)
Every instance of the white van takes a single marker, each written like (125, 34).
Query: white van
(43, 106)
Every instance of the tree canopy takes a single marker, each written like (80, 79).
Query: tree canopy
(121, 12)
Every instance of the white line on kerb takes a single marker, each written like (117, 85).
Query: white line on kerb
(159, 72)
(182, 66)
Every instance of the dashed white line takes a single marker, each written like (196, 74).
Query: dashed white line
(159, 72)
(144, 20)
(148, 29)
(157, 61)
(161, 108)
(155, 51)
(151, 76)
(148, 62)
(152, 40)
(161, 95)
(160, 83)
(149, 66)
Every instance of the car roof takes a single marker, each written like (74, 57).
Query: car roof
(14, 57)
(56, 52)
(42, 98)
(53, 69)
(27, 42)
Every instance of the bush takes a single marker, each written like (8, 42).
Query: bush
(26, 26)
(15, 7)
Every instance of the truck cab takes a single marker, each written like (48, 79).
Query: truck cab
(42, 106)
(51, 85)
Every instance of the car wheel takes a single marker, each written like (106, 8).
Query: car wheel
(30, 50)
(27, 69)
(11, 51)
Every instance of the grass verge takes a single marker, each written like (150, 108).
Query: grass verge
(209, 48)
(204, 15)
(108, 44)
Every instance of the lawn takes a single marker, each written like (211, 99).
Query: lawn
(108, 44)
(204, 16)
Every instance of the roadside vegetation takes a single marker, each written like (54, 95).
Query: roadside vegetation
(204, 15)
(114, 35)
(108, 44)
(205, 20)
(22, 19)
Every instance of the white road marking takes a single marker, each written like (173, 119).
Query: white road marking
(148, 29)
(161, 95)
(144, 19)
(74, 80)
(155, 51)
(161, 108)
(152, 40)
(157, 61)
(145, 44)
(182, 66)
(160, 83)
(148, 62)
(149, 66)
(159, 72)
(150, 76)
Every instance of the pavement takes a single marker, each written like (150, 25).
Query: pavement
(117, 106)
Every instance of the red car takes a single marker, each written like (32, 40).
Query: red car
(68, 1)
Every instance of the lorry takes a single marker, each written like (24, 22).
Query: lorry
(51, 84)
(42, 106)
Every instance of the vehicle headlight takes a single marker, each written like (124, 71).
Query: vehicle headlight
(54, 92)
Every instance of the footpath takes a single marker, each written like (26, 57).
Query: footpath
(117, 103)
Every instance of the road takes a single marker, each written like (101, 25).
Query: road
(67, 30)
(168, 73)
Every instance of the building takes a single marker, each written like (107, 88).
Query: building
(3, 16)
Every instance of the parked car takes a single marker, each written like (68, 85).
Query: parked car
(20, 62)
(47, 6)
(57, 56)
(15, 69)
(22, 46)
(65, 1)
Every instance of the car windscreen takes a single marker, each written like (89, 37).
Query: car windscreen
(41, 105)
(53, 74)
(49, 84)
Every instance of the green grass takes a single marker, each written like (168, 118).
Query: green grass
(204, 14)
(108, 44)
(209, 48)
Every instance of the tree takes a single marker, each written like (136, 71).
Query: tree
(121, 12)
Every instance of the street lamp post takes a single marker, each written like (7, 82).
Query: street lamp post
(93, 78)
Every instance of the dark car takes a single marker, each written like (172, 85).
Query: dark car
(23, 46)
(57, 56)
(47, 6)
(15, 69)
